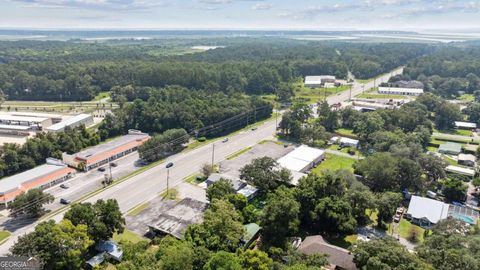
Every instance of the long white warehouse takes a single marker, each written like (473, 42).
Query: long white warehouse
(400, 91)
(72, 122)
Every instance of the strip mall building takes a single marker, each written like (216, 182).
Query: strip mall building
(102, 154)
(43, 176)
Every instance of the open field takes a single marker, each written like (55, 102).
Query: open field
(313, 95)
(128, 235)
(4, 235)
(404, 228)
(333, 163)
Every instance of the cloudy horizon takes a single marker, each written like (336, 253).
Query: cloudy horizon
(241, 14)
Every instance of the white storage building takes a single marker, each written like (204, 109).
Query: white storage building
(400, 91)
(465, 125)
(75, 121)
(319, 81)
(302, 159)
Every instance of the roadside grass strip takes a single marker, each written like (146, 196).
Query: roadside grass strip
(138, 209)
(239, 153)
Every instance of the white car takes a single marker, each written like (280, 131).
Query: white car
(225, 140)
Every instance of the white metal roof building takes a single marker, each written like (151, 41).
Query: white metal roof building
(465, 125)
(55, 117)
(317, 81)
(29, 121)
(302, 159)
(344, 141)
(75, 121)
(460, 170)
(400, 91)
(425, 211)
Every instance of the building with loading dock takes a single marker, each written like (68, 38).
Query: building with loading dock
(102, 154)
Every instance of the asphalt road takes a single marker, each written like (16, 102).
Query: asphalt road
(151, 183)
(358, 88)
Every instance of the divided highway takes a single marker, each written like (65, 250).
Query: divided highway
(152, 182)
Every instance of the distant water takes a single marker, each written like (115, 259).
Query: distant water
(206, 48)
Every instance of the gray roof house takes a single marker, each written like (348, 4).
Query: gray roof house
(339, 258)
(426, 212)
(450, 148)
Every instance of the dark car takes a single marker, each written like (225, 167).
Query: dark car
(169, 165)
(113, 164)
(101, 169)
(65, 201)
(64, 186)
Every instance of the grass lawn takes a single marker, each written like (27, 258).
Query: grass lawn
(138, 209)
(197, 143)
(450, 161)
(194, 178)
(342, 149)
(239, 153)
(333, 163)
(128, 236)
(373, 215)
(466, 98)
(4, 235)
(405, 226)
(345, 132)
(461, 132)
(432, 149)
(101, 96)
(270, 141)
(170, 194)
(344, 241)
(312, 95)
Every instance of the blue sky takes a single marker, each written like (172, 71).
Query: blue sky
(241, 14)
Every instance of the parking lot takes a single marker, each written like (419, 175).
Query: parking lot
(270, 149)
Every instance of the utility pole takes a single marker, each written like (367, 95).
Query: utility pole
(213, 154)
(110, 168)
(168, 176)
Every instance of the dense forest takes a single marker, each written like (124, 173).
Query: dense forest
(447, 71)
(73, 71)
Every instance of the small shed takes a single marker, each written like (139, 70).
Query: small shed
(465, 125)
(450, 148)
(347, 142)
(251, 233)
(467, 160)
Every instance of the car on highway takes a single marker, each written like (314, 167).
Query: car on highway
(65, 201)
(113, 164)
(101, 169)
(64, 186)
(169, 165)
(225, 140)
(253, 129)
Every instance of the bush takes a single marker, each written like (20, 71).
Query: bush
(351, 151)
(201, 139)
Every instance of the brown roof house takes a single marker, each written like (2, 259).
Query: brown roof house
(338, 257)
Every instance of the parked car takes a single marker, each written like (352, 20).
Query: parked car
(113, 164)
(101, 169)
(225, 140)
(65, 201)
(396, 218)
(65, 186)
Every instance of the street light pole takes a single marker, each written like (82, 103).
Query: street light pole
(213, 154)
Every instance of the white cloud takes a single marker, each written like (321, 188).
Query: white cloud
(262, 6)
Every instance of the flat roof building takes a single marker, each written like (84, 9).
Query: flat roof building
(54, 117)
(302, 159)
(175, 220)
(467, 160)
(72, 122)
(465, 125)
(43, 176)
(101, 154)
(425, 211)
(318, 81)
(400, 91)
(29, 121)
(344, 141)
(450, 148)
